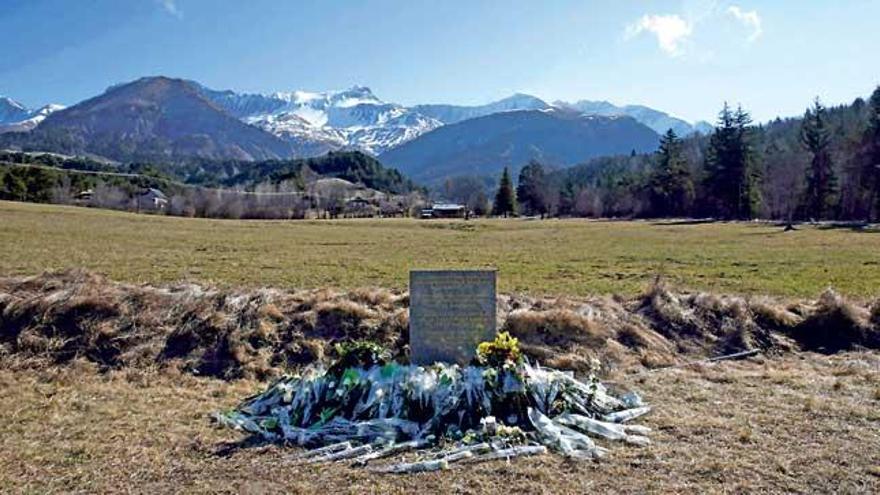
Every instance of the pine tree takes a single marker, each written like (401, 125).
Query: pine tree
(14, 187)
(670, 187)
(733, 179)
(531, 190)
(870, 156)
(821, 183)
(505, 198)
(567, 197)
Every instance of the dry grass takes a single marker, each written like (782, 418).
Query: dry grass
(260, 333)
(99, 393)
(717, 428)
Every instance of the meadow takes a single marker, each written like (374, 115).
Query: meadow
(549, 257)
(143, 425)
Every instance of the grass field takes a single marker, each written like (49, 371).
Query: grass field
(780, 422)
(552, 257)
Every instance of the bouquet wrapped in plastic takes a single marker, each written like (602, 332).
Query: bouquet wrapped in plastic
(366, 407)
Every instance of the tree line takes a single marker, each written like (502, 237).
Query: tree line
(34, 181)
(823, 166)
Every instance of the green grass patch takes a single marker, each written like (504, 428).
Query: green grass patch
(564, 257)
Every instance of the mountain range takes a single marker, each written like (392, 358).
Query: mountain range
(151, 119)
(356, 118)
(166, 119)
(15, 117)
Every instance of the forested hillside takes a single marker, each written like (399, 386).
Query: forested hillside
(822, 166)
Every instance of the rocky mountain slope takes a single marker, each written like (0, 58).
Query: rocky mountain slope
(354, 118)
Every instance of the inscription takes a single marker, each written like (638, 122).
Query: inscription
(451, 311)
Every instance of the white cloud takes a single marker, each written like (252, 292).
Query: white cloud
(671, 30)
(749, 19)
(170, 6)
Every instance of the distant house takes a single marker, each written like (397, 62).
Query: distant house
(360, 207)
(84, 196)
(152, 200)
(445, 210)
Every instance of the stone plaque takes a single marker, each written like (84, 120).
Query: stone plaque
(450, 312)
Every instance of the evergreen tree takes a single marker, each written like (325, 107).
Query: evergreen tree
(870, 156)
(531, 190)
(732, 179)
(505, 198)
(821, 183)
(670, 187)
(567, 197)
(14, 186)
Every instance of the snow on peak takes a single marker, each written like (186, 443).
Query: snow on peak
(350, 118)
(8, 102)
(12, 111)
(15, 116)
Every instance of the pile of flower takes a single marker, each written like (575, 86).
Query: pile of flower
(366, 407)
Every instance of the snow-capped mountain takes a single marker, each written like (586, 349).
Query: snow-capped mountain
(15, 117)
(450, 114)
(12, 111)
(354, 118)
(317, 122)
(659, 121)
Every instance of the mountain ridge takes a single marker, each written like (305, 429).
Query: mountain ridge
(484, 145)
(152, 118)
(329, 118)
(332, 120)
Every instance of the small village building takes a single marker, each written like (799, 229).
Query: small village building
(360, 207)
(448, 210)
(152, 200)
(84, 196)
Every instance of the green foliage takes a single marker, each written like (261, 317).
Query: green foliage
(742, 170)
(869, 158)
(670, 187)
(24, 183)
(352, 166)
(505, 198)
(821, 180)
(14, 186)
(531, 190)
(358, 354)
(732, 176)
(502, 351)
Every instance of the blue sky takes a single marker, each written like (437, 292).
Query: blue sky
(684, 57)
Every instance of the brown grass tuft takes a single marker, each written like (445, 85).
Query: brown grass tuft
(836, 324)
(62, 317)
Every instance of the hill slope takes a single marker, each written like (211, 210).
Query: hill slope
(485, 145)
(153, 118)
